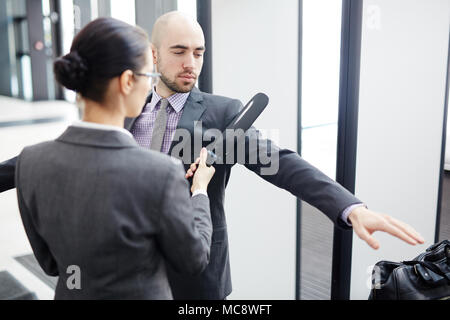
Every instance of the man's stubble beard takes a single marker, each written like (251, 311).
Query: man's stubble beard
(173, 86)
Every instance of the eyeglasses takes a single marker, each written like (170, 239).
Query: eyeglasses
(149, 75)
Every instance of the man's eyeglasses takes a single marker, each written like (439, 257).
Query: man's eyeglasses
(149, 75)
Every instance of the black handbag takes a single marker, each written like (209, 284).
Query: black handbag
(426, 277)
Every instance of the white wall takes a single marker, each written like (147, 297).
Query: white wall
(402, 87)
(255, 47)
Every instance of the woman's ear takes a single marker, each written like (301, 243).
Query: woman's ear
(126, 82)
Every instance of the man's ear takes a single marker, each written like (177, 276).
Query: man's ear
(154, 53)
(126, 82)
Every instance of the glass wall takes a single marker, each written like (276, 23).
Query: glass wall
(29, 41)
(403, 81)
(444, 219)
(319, 101)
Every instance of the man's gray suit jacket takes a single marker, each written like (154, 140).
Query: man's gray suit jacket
(294, 175)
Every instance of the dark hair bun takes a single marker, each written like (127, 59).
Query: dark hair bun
(71, 71)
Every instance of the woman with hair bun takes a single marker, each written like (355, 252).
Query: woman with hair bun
(103, 214)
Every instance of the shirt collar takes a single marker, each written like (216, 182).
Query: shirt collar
(99, 126)
(176, 100)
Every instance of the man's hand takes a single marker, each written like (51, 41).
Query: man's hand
(366, 222)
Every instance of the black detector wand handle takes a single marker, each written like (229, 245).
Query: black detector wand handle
(243, 120)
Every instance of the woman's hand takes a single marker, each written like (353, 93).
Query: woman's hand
(203, 174)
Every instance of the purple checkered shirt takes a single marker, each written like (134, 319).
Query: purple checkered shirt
(143, 127)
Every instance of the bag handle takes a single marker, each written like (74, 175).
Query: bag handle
(429, 266)
(434, 246)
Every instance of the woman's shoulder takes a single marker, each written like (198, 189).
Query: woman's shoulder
(38, 149)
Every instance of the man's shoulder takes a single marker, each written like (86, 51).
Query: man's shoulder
(215, 99)
(215, 104)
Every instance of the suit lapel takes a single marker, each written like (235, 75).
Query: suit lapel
(192, 111)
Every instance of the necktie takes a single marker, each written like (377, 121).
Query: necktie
(159, 127)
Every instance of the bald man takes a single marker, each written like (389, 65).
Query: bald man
(178, 48)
